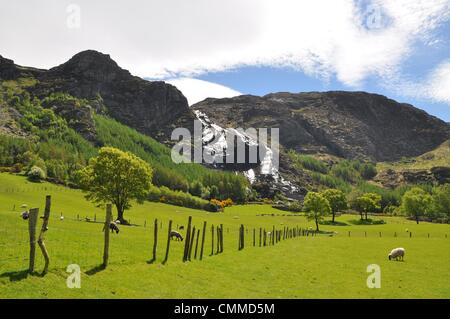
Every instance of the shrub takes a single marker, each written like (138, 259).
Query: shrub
(178, 198)
(36, 174)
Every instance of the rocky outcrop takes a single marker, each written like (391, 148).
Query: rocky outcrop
(78, 117)
(346, 124)
(392, 179)
(152, 108)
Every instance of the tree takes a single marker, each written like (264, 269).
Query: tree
(116, 177)
(336, 199)
(353, 201)
(441, 200)
(316, 207)
(368, 202)
(416, 202)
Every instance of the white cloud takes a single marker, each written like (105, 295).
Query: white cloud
(435, 86)
(170, 38)
(197, 90)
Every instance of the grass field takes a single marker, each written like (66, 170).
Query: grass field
(302, 267)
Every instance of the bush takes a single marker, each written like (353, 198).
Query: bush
(36, 174)
(308, 162)
(178, 198)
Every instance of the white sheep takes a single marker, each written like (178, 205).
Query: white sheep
(397, 253)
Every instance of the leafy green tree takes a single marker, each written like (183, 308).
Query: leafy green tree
(441, 200)
(116, 177)
(316, 207)
(416, 203)
(369, 202)
(336, 199)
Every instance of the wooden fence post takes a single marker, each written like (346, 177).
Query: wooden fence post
(260, 236)
(212, 240)
(196, 244)
(218, 240)
(41, 241)
(191, 244)
(187, 239)
(203, 240)
(243, 237)
(265, 237)
(254, 237)
(273, 235)
(168, 242)
(32, 222)
(155, 239)
(106, 229)
(221, 238)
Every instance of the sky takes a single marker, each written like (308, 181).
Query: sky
(212, 48)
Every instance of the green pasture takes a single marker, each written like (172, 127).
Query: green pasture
(330, 265)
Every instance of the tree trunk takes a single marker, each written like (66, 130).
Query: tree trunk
(317, 225)
(417, 220)
(333, 217)
(366, 215)
(120, 218)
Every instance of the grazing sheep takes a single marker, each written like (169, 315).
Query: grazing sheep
(397, 253)
(88, 219)
(114, 228)
(177, 235)
(117, 222)
(25, 215)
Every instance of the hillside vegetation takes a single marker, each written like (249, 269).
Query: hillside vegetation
(56, 139)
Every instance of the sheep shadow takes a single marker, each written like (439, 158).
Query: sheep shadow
(16, 275)
(95, 270)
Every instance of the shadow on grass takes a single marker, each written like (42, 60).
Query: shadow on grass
(16, 275)
(95, 270)
(367, 222)
(151, 261)
(331, 223)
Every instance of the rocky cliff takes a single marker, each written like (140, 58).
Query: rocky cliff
(345, 124)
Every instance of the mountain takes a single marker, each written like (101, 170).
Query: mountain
(152, 108)
(326, 138)
(352, 125)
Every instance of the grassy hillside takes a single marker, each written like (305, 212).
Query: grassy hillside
(304, 267)
(60, 133)
(438, 157)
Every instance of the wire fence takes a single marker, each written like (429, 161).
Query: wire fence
(80, 240)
